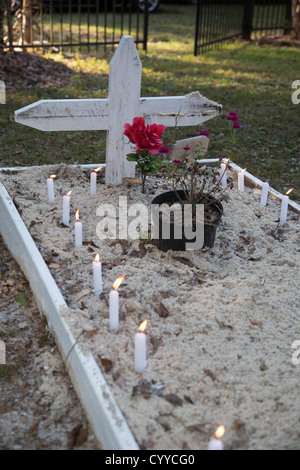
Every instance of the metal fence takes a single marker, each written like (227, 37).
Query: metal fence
(220, 21)
(75, 25)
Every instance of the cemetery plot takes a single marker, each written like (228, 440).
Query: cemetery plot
(221, 322)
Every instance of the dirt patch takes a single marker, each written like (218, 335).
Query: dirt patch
(39, 408)
(21, 69)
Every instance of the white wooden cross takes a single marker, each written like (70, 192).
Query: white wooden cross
(122, 105)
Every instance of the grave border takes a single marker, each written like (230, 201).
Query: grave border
(102, 411)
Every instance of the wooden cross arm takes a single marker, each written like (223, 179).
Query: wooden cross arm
(94, 114)
(189, 110)
(65, 115)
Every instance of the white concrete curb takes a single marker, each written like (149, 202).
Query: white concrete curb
(102, 411)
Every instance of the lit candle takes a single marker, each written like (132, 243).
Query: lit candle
(217, 444)
(114, 304)
(78, 231)
(284, 206)
(93, 181)
(241, 183)
(223, 172)
(264, 194)
(66, 209)
(140, 349)
(97, 276)
(50, 187)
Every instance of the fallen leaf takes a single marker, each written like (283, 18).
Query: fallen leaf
(156, 342)
(210, 374)
(107, 364)
(201, 279)
(22, 299)
(121, 381)
(188, 399)
(174, 399)
(162, 311)
(142, 248)
(183, 260)
(32, 430)
(90, 333)
(200, 427)
(238, 424)
(81, 294)
(6, 409)
(77, 436)
(132, 180)
(256, 323)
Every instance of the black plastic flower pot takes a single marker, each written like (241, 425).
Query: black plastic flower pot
(172, 242)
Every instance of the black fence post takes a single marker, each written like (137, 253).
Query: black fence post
(1, 24)
(288, 24)
(9, 24)
(197, 29)
(248, 19)
(146, 22)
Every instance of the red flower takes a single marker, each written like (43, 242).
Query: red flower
(138, 125)
(145, 138)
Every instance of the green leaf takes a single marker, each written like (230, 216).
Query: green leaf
(132, 157)
(22, 299)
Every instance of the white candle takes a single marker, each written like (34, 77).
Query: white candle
(50, 187)
(217, 444)
(241, 182)
(223, 173)
(78, 231)
(97, 276)
(284, 206)
(114, 304)
(93, 181)
(66, 209)
(264, 194)
(140, 349)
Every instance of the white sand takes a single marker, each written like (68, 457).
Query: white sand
(223, 353)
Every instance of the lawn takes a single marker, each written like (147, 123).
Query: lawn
(256, 81)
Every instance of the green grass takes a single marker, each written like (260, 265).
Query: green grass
(253, 80)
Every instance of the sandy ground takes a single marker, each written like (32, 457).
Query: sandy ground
(221, 322)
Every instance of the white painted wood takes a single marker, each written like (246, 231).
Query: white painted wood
(256, 182)
(197, 145)
(102, 411)
(121, 106)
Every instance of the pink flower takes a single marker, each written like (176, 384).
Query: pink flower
(236, 125)
(177, 162)
(164, 150)
(232, 117)
(186, 148)
(206, 133)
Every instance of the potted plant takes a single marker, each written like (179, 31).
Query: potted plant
(193, 184)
